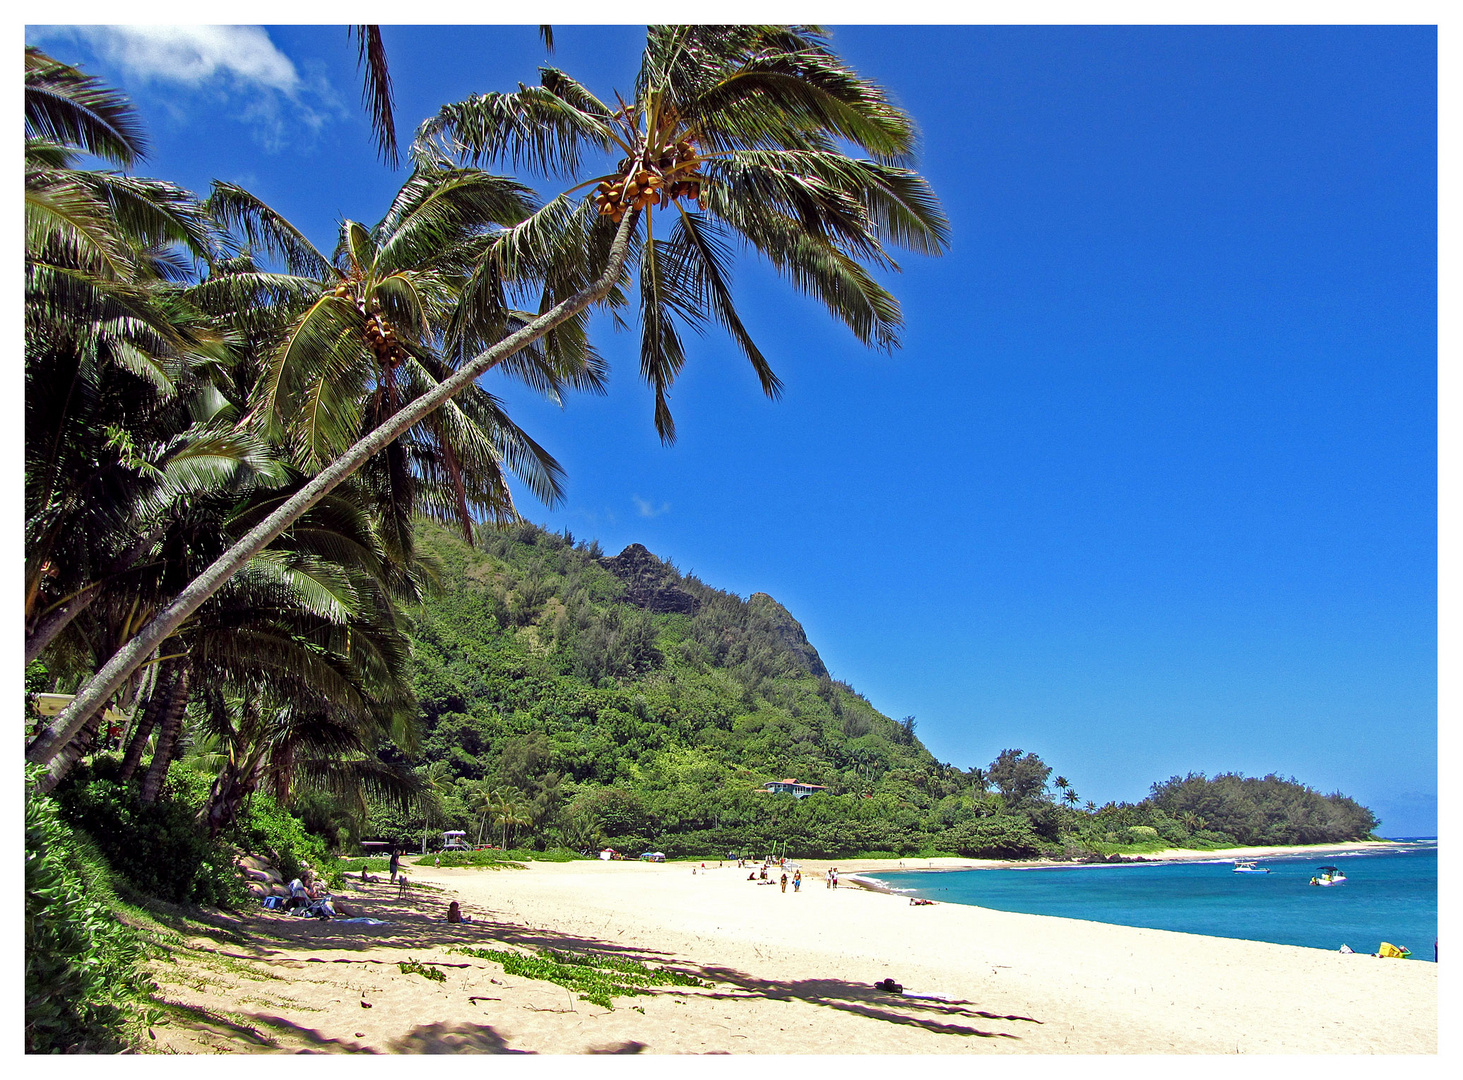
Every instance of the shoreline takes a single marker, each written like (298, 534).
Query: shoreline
(1166, 855)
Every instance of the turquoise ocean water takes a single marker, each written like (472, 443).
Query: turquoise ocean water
(1388, 896)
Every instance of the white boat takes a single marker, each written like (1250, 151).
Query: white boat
(1249, 867)
(1328, 875)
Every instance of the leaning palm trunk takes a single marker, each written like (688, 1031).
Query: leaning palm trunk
(156, 704)
(230, 789)
(44, 749)
(74, 750)
(167, 739)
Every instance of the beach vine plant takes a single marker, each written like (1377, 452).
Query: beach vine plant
(745, 129)
(426, 971)
(596, 979)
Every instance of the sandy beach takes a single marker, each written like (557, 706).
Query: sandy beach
(791, 973)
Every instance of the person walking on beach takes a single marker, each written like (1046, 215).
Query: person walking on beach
(784, 881)
(835, 877)
(797, 881)
(395, 864)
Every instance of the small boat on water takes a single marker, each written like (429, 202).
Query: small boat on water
(1328, 875)
(1248, 867)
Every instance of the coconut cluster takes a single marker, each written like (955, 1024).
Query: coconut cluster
(379, 334)
(671, 176)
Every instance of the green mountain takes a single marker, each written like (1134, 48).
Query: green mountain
(575, 699)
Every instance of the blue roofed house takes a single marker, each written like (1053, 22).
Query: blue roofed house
(791, 787)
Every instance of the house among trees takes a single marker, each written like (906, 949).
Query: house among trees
(791, 787)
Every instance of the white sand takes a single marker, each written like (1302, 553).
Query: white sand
(792, 973)
(1028, 983)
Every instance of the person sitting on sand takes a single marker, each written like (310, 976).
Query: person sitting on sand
(752, 877)
(455, 915)
(299, 895)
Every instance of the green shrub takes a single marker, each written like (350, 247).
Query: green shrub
(83, 967)
(999, 837)
(553, 854)
(159, 848)
(266, 828)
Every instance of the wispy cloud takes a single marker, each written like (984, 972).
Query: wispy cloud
(240, 63)
(191, 55)
(648, 509)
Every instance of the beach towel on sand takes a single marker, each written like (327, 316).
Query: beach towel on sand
(361, 920)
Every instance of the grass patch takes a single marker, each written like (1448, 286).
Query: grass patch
(596, 979)
(487, 860)
(355, 866)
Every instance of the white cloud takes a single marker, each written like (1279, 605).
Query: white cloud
(648, 509)
(237, 68)
(195, 55)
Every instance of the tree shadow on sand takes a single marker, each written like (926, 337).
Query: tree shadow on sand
(416, 925)
(941, 1017)
(459, 1038)
(946, 1017)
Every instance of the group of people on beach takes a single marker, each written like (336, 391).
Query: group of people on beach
(761, 875)
(310, 897)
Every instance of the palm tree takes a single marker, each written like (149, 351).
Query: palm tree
(485, 802)
(745, 122)
(511, 813)
(1070, 796)
(115, 359)
(355, 341)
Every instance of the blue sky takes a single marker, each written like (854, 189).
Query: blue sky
(1151, 486)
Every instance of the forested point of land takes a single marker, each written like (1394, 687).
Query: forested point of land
(569, 699)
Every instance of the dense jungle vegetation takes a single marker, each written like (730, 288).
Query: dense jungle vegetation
(572, 700)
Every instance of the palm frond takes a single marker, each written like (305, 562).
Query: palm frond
(533, 129)
(376, 90)
(266, 230)
(67, 107)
